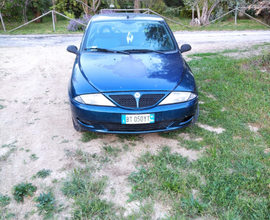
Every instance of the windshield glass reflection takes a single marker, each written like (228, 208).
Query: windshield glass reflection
(129, 35)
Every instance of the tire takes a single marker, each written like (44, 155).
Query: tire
(196, 116)
(77, 127)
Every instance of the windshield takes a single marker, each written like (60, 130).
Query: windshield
(129, 35)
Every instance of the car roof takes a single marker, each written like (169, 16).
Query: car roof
(125, 16)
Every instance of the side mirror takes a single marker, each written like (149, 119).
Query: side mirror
(185, 48)
(73, 49)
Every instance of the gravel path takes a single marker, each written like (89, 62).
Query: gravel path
(206, 39)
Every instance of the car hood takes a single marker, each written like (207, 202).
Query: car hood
(135, 72)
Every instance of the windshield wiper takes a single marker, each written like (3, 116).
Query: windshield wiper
(105, 50)
(143, 51)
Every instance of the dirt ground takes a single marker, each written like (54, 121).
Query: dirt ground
(35, 120)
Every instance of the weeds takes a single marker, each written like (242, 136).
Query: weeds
(88, 136)
(265, 61)
(129, 137)
(85, 190)
(5, 214)
(112, 151)
(42, 174)
(6, 155)
(12, 148)
(4, 200)
(81, 156)
(34, 157)
(46, 204)
(232, 175)
(81, 181)
(160, 173)
(23, 189)
(12, 145)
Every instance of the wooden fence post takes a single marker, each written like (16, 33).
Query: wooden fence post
(53, 20)
(235, 15)
(2, 22)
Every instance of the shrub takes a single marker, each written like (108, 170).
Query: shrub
(42, 174)
(4, 200)
(23, 189)
(74, 26)
(46, 204)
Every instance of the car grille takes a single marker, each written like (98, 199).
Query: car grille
(137, 127)
(146, 100)
(125, 100)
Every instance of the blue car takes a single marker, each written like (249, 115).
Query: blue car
(129, 76)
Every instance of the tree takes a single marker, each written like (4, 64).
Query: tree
(155, 5)
(174, 3)
(87, 8)
(204, 6)
(25, 4)
(38, 7)
(70, 8)
(2, 4)
(53, 4)
(262, 8)
(136, 6)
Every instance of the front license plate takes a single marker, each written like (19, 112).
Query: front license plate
(138, 119)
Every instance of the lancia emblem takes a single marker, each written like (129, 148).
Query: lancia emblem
(137, 95)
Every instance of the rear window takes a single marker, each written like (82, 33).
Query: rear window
(128, 35)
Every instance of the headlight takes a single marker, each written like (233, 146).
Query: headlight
(94, 99)
(177, 97)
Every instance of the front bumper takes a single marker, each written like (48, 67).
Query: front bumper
(108, 119)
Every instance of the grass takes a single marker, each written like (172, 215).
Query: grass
(224, 25)
(112, 151)
(85, 190)
(86, 158)
(22, 190)
(46, 26)
(232, 178)
(88, 136)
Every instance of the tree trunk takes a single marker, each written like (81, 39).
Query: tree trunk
(95, 5)
(85, 8)
(53, 3)
(136, 6)
(25, 20)
(24, 10)
(204, 18)
(198, 12)
(207, 12)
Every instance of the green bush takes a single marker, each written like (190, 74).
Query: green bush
(46, 204)
(23, 189)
